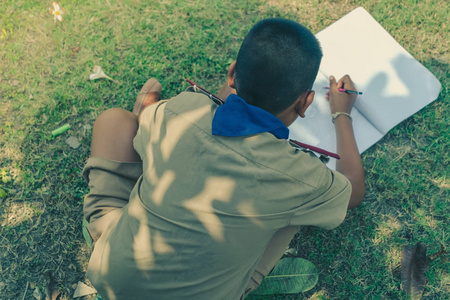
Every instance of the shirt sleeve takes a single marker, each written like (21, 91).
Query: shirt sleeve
(328, 209)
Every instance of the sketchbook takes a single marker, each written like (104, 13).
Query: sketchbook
(394, 84)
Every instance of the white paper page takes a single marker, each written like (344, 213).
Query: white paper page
(393, 83)
(316, 129)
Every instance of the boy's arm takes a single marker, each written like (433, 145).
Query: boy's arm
(350, 164)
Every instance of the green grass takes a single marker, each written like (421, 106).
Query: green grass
(44, 70)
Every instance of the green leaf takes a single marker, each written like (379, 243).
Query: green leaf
(291, 275)
(6, 179)
(4, 176)
(86, 234)
(2, 193)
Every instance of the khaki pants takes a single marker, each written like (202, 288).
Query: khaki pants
(110, 184)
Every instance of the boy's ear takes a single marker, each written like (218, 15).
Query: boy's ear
(231, 69)
(302, 106)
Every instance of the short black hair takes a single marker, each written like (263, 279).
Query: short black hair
(278, 61)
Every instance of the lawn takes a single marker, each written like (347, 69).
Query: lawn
(44, 84)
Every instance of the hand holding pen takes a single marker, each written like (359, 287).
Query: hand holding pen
(341, 101)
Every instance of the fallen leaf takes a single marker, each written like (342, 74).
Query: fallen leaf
(6, 179)
(86, 235)
(442, 252)
(55, 294)
(83, 290)
(73, 142)
(37, 294)
(52, 292)
(98, 73)
(291, 252)
(414, 265)
(86, 128)
(289, 276)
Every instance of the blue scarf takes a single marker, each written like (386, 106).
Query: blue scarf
(237, 118)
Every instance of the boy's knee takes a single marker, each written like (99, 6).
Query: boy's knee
(114, 115)
(116, 118)
(113, 134)
(115, 123)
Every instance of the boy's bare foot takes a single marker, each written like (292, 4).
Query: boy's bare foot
(148, 95)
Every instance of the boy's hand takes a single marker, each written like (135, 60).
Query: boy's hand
(350, 164)
(341, 101)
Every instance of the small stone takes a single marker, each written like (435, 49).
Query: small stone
(87, 127)
(73, 142)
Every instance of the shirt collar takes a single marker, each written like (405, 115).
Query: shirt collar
(237, 118)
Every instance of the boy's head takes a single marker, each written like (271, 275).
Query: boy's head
(278, 61)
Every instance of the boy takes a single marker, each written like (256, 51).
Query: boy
(198, 199)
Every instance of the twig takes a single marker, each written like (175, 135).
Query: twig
(26, 289)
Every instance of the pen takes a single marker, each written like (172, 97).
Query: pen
(316, 149)
(346, 91)
(211, 96)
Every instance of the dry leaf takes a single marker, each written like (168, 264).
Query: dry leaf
(414, 266)
(56, 293)
(98, 73)
(52, 292)
(86, 128)
(442, 252)
(83, 290)
(37, 294)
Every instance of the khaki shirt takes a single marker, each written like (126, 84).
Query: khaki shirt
(202, 214)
